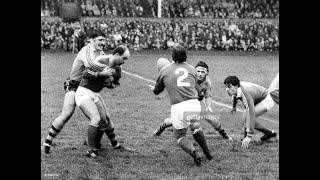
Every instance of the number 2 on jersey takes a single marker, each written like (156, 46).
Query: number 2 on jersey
(182, 77)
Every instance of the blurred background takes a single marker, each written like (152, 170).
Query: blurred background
(201, 25)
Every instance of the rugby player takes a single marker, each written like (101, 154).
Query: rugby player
(256, 101)
(90, 102)
(83, 59)
(204, 83)
(179, 78)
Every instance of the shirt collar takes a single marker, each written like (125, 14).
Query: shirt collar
(239, 92)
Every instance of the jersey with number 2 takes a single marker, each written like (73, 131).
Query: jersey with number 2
(180, 81)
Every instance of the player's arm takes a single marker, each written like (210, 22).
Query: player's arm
(159, 87)
(249, 111)
(118, 71)
(207, 98)
(86, 56)
(249, 116)
(234, 104)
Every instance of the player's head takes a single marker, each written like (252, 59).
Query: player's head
(202, 70)
(232, 84)
(120, 54)
(99, 39)
(179, 54)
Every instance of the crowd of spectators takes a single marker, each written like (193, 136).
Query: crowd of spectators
(170, 8)
(138, 34)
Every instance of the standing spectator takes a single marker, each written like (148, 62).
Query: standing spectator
(208, 45)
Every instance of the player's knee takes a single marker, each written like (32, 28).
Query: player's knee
(94, 120)
(167, 121)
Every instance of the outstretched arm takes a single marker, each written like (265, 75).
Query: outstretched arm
(249, 115)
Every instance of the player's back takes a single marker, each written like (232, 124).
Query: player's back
(180, 82)
(257, 92)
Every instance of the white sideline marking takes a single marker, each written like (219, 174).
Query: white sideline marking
(215, 102)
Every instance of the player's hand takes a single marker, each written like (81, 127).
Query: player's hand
(151, 87)
(233, 110)
(245, 142)
(107, 72)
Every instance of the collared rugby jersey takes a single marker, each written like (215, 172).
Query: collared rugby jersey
(84, 60)
(257, 92)
(180, 81)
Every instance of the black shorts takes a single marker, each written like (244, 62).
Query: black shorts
(70, 85)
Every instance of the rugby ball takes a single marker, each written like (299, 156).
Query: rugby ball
(162, 62)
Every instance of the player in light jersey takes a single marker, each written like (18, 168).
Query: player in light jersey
(256, 101)
(90, 102)
(179, 78)
(83, 59)
(274, 89)
(204, 83)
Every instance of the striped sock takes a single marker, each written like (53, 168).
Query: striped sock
(112, 136)
(53, 132)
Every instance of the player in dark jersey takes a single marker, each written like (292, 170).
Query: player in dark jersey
(179, 78)
(204, 83)
(90, 102)
(256, 101)
(84, 59)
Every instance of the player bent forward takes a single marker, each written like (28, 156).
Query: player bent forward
(205, 87)
(179, 78)
(256, 101)
(83, 60)
(89, 100)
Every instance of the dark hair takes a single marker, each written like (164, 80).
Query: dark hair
(120, 50)
(232, 80)
(97, 32)
(179, 54)
(203, 64)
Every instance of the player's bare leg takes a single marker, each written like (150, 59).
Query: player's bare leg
(57, 125)
(215, 123)
(91, 110)
(186, 144)
(108, 129)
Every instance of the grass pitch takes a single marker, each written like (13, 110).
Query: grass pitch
(136, 113)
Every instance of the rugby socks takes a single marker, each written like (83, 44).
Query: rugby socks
(262, 129)
(186, 145)
(98, 138)
(201, 140)
(112, 136)
(53, 132)
(92, 132)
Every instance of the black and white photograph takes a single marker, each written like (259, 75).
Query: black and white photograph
(160, 89)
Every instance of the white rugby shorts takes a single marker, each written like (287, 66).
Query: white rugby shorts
(83, 93)
(180, 111)
(267, 102)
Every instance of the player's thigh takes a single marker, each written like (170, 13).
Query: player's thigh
(178, 133)
(69, 103)
(90, 109)
(264, 106)
(102, 112)
(107, 115)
